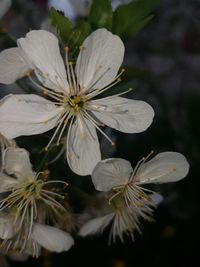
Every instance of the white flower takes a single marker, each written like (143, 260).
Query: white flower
(29, 200)
(4, 6)
(127, 199)
(73, 95)
(4, 144)
(14, 238)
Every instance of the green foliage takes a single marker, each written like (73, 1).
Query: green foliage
(71, 35)
(127, 20)
(101, 14)
(131, 18)
(81, 31)
(62, 24)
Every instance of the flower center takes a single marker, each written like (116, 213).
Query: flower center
(76, 103)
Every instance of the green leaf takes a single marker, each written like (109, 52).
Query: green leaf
(83, 30)
(62, 24)
(138, 26)
(131, 18)
(101, 14)
(77, 36)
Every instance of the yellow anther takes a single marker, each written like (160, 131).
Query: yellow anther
(148, 198)
(45, 74)
(113, 144)
(70, 62)
(139, 204)
(119, 79)
(66, 48)
(152, 151)
(45, 92)
(81, 47)
(77, 99)
(46, 149)
(123, 70)
(28, 74)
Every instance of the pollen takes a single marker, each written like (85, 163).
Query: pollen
(76, 103)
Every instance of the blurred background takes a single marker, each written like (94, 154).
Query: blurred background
(163, 67)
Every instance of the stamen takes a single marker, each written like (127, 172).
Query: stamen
(52, 94)
(139, 165)
(97, 127)
(91, 86)
(113, 96)
(75, 87)
(56, 131)
(68, 73)
(97, 92)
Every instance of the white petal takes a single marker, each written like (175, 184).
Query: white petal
(52, 238)
(99, 60)
(163, 168)
(156, 199)
(27, 115)
(17, 162)
(42, 49)
(110, 173)
(125, 115)
(6, 226)
(6, 183)
(83, 150)
(95, 226)
(12, 65)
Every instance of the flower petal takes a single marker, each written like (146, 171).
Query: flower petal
(27, 115)
(163, 168)
(52, 238)
(42, 49)
(17, 162)
(99, 59)
(125, 115)
(156, 199)
(6, 183)
(6, 226)
(96, 226)
(83, 150)
(12, 65)
(110, 173)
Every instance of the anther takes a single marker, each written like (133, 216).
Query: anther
(28, 74)
(45, 92)
(81, 47)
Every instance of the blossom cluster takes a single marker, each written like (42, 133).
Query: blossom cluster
(70, 99)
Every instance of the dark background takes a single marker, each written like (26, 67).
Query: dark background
(165, 56)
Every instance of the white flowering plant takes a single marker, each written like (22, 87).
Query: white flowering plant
(72, 94)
